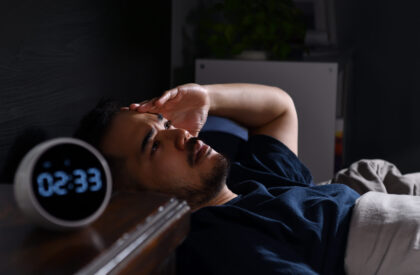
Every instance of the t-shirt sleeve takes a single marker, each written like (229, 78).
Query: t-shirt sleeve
(269, 161)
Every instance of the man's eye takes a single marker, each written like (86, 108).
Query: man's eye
(155, 146)
(168, 124)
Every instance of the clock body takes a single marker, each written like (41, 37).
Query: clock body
(63, 183)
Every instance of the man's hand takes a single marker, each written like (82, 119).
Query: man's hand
(262, 109)
(186, 106)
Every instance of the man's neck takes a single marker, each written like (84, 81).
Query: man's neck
(222, 197)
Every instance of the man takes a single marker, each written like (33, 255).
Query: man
(263, 217)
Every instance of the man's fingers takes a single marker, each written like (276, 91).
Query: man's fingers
(134, 106)
(147, 106)
(165, 97)
(168, 95)
(177, 97)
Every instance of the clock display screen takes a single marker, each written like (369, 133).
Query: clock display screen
(69, 182)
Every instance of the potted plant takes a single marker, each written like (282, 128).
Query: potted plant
(235, 28)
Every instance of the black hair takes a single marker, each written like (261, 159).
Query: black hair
(95, 124)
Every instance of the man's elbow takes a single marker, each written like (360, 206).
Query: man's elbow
(286, 102)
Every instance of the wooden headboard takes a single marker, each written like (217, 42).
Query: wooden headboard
(58, 58)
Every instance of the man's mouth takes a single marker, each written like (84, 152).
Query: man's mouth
(197, 150)
(200, 152)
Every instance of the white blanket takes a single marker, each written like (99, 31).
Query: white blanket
(384, 235)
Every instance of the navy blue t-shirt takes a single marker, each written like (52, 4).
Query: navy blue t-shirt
(280, 223)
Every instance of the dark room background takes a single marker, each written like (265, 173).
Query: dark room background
(383, 113)
(381, 107)
(58, 58)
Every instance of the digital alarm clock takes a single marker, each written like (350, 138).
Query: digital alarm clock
(63, 183)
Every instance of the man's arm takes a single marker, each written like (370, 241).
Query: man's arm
(262, 109)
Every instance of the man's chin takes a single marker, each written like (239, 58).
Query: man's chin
(214, 155)
(212, 183)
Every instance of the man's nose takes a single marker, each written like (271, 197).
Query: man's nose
(181, 137)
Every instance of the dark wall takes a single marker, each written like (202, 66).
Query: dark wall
(383, 113)
(57, 58)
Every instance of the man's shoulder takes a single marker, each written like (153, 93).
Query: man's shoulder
(270, 162)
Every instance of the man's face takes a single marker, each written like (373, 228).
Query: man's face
(165, 159)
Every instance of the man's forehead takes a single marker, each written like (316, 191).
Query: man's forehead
(126, 126)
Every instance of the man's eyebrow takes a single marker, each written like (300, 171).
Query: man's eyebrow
(146, 139)
(159, 116)
(150, 133)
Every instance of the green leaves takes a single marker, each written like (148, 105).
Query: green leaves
(231, 26)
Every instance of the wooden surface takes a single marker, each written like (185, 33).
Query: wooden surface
(144, 227)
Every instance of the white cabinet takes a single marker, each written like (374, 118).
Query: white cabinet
(313, 87)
